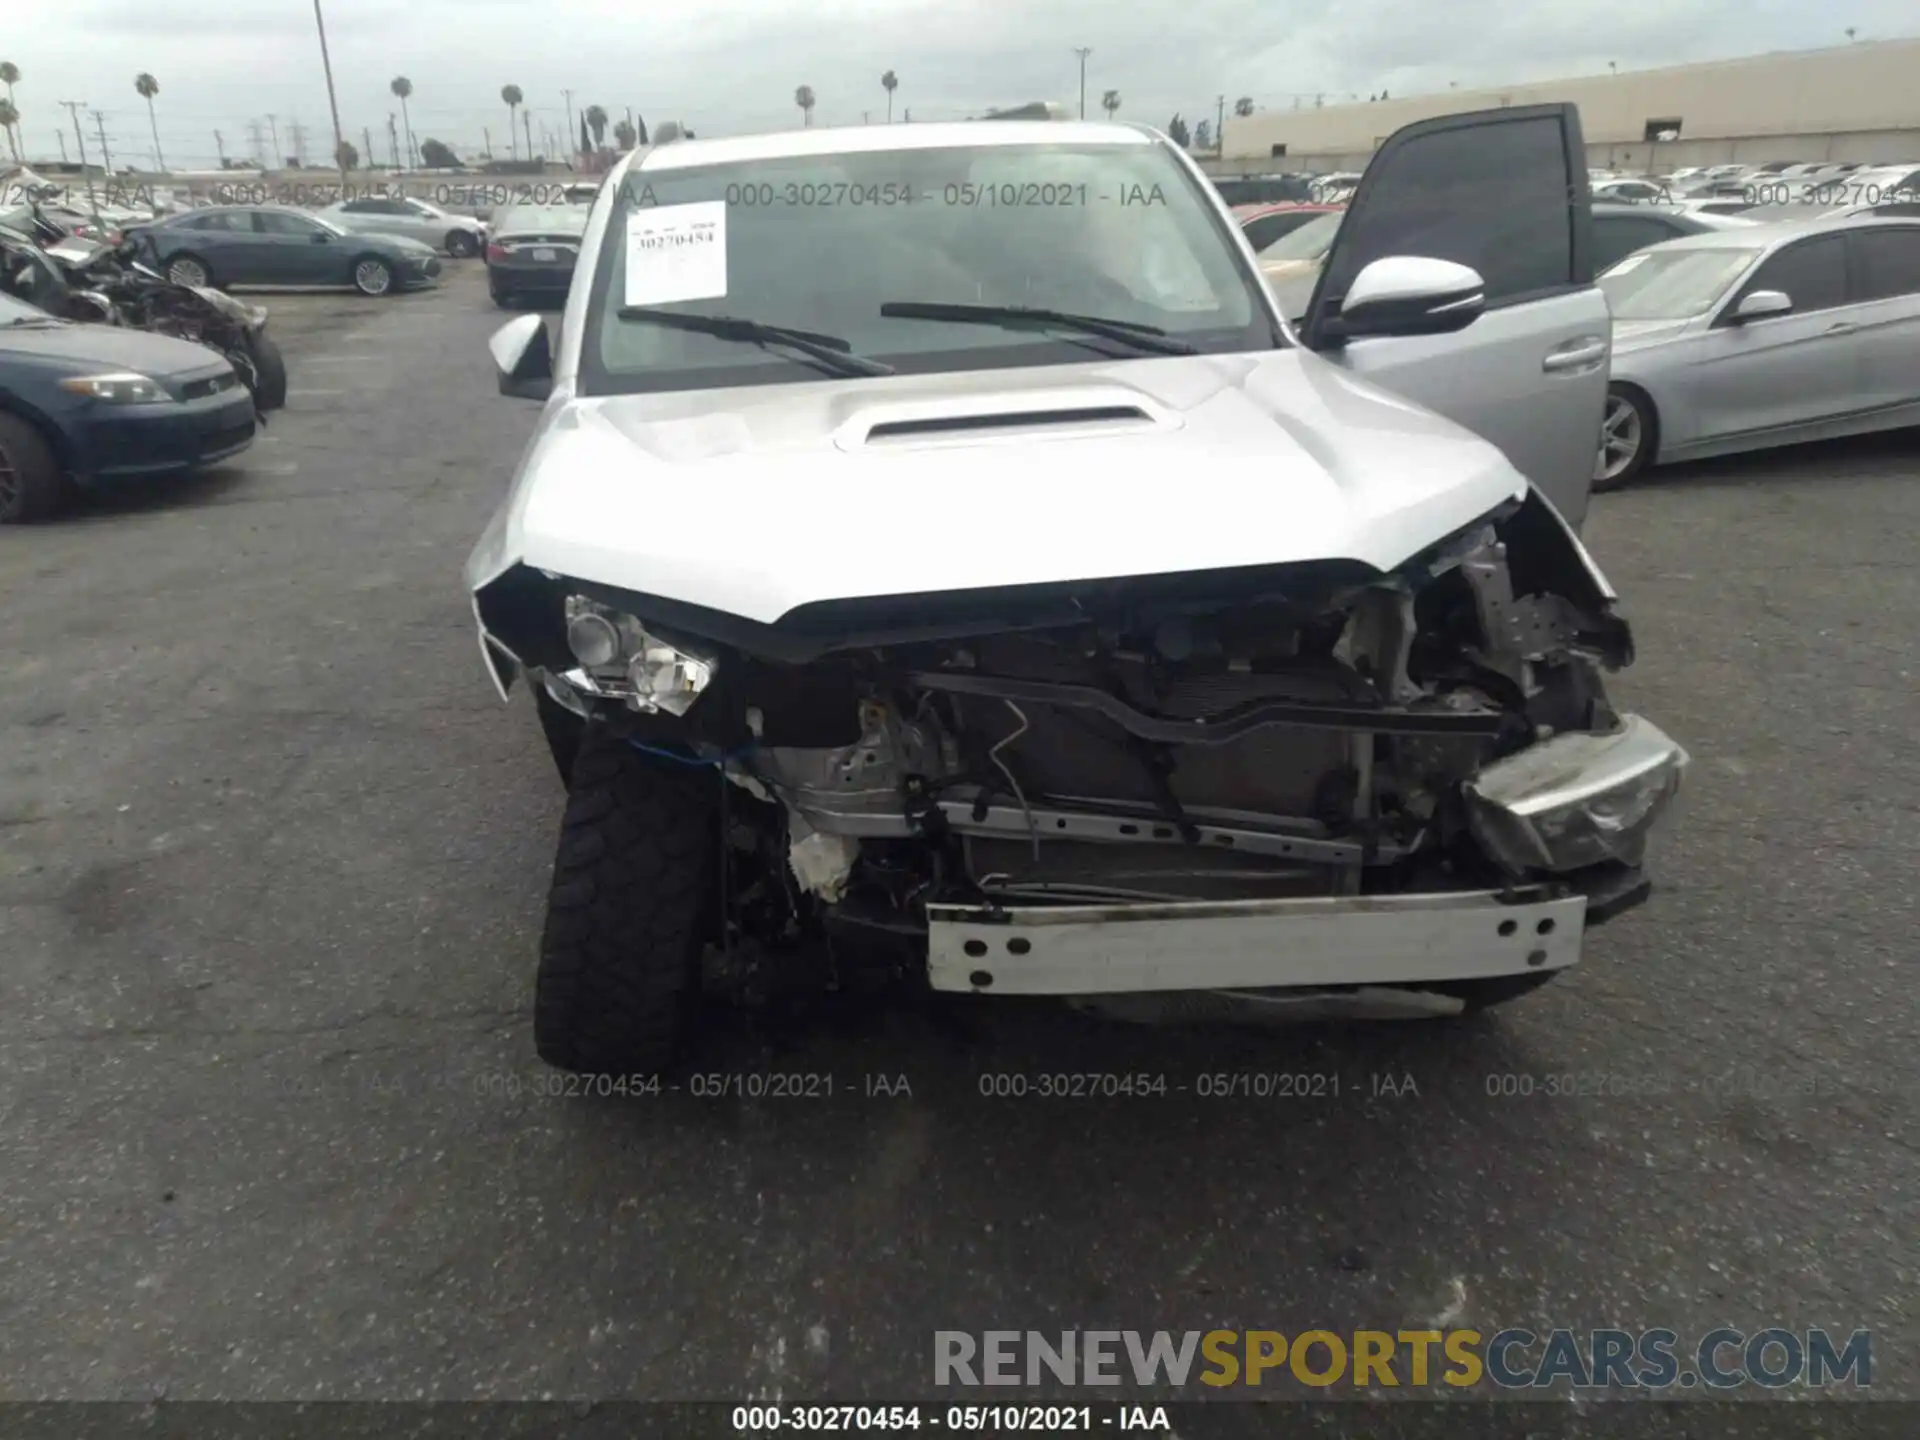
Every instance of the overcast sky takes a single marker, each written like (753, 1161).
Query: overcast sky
(728, 66)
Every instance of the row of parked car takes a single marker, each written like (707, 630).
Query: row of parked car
(1734, 328)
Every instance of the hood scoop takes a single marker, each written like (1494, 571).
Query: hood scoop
(983, 419)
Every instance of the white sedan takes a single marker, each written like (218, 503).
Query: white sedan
(458, 235)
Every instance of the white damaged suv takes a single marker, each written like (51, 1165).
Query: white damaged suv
(938, 560)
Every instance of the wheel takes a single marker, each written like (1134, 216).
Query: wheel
(461, 244)
(269, 371)
(31, 485)
(372, 275)
(1628, 433)
(189, 270)
(501, 297)
(563, 730)
(633, 894)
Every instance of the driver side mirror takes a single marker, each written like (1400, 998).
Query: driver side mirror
(1761, 303)
(1411, 295)
(524, 358)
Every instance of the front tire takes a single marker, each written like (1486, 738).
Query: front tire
(189, 270)
(1629, 430)
(372, 276)
(627, 916)
(31, 485)
(269, 372)
(461, 245)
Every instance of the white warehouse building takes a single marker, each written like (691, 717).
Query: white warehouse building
(1856, 102)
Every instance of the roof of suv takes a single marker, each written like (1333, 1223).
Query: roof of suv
(851, 139)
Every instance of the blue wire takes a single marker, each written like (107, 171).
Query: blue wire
(694, 761)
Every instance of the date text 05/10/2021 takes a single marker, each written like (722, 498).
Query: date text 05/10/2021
(832, 194)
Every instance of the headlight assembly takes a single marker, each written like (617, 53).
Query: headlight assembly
(120, 387)
(619, 659)
(1577, 799)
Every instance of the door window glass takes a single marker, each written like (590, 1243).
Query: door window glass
(272, 222)
(1493, 195)
(1813, 274)
(1888, 263)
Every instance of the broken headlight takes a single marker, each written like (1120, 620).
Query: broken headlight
(619, 659)
(1576, 799)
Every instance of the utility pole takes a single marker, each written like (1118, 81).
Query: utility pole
(573, 135)
(73, 109)
(393, 141)
(333, 104)
(61, 136)
(297, 138)
(106, 160)
(366, 135)
(276, 159)
(1220, 125)
(256, 142)
(486, 133)
(1083, 51)
(526, 124)
(220, 149)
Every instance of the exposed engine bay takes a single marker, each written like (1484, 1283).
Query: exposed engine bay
(1304, 731)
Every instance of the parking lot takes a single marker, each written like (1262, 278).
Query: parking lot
(272, 862)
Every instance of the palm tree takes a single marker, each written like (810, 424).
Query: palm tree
(10, 117)
(402, 87)
(1110, 102)
(10, 72)
(347, 157)
(1243, 107)
(511, 94)
(803, 97)
(889, 82)
(624, 135)
(148, 88)
(597, 123)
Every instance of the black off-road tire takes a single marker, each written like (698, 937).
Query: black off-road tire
(634, 889)
(32, 486)
(269, 372)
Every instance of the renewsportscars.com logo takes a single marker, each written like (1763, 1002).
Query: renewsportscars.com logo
(1513, 1359)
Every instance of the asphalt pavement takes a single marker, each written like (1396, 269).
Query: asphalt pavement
(272, 862)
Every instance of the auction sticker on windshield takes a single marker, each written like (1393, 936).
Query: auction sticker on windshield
(677, 252)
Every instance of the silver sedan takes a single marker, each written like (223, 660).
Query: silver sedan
(1766, 336)
(457, 235)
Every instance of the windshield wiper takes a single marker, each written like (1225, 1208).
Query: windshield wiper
(828, 352)
(1021, 317)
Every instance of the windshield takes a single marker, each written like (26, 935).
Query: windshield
(18, 312)
(821, 242)
(1309, 242)
(1673, 284)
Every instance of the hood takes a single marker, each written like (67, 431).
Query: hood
(1639, 334)
(109, 347)
(756, 501)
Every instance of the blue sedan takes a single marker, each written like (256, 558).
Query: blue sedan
(278, 245)
(90, 405)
